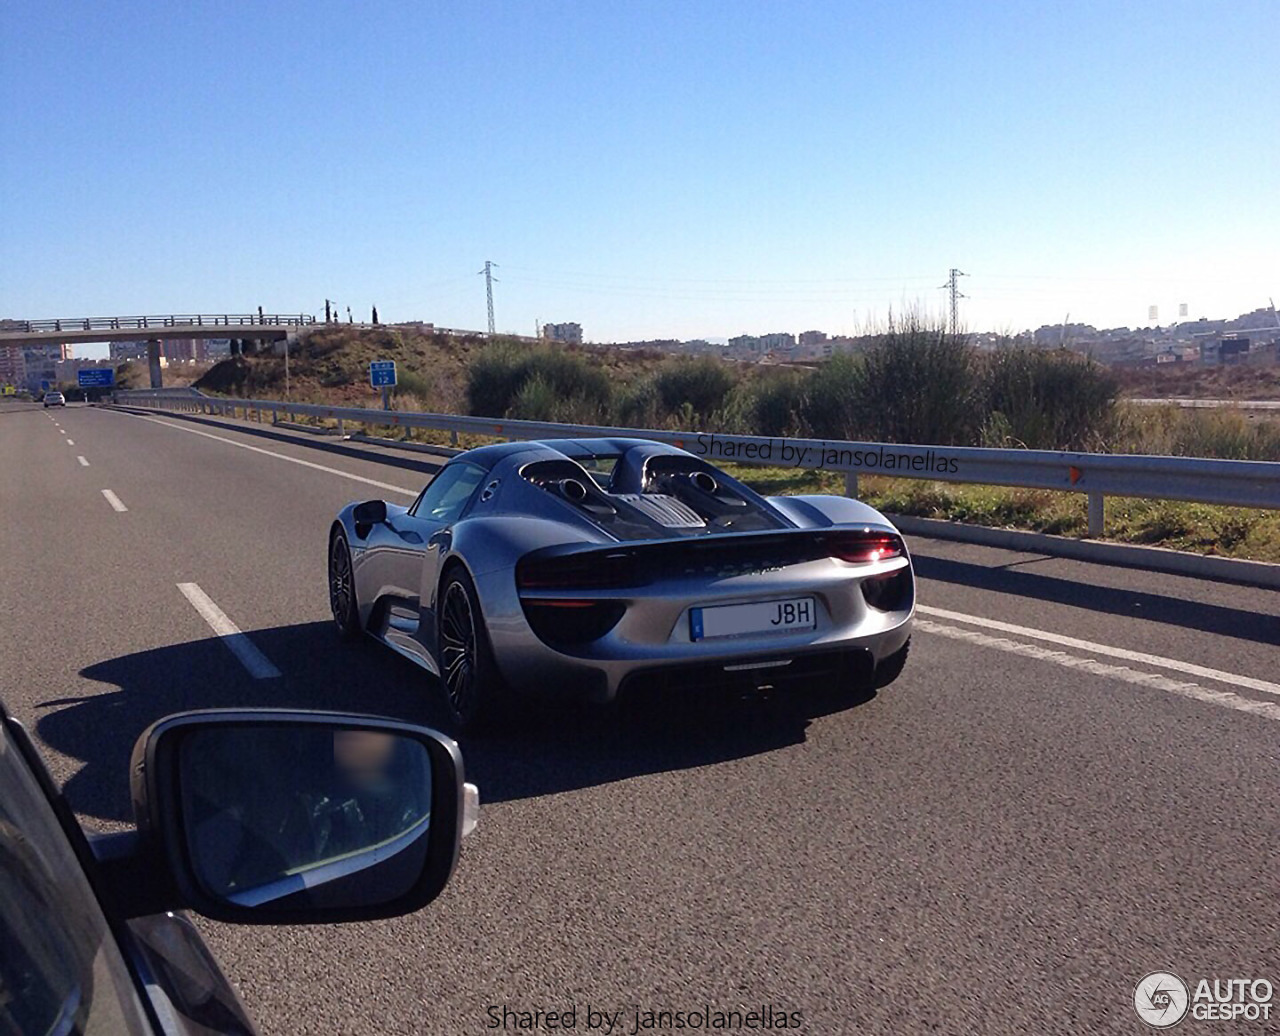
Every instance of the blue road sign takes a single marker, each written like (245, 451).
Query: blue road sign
(382, 373)
(44, 386)
(96, 377)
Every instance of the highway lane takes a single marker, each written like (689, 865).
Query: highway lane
(997, 843)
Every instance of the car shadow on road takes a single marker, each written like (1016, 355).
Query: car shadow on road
(1240, 623)
(552, 748)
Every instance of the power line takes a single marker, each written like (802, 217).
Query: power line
(693, 292)
(749, 281)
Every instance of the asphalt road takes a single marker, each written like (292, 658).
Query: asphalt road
(1004, 841)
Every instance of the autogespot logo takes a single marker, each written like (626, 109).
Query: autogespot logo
(1161, 999)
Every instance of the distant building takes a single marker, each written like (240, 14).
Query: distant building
(183, 350)
(122, 351)
(569, 333)
(1223, 351)
(40, 363)
(812, 337)
(12, 367)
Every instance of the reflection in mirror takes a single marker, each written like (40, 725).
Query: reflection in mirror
(272, 811)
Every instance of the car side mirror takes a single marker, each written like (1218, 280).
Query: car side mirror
(371, 512)
(281, 817)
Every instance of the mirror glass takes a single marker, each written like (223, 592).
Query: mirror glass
(305, 813)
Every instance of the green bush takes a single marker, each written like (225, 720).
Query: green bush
(638, 405)
(701, 383)
(494, 378)
(1045, 399)
(501, 373)
(770, 405)
(830, 398)
(536, 401)
(410, 383)
(917, 383)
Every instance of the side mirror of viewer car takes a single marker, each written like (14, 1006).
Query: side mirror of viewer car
(279, 817)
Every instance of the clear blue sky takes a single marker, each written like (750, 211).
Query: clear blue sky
(649, 169)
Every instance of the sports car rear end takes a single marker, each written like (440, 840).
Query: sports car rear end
(750, 608)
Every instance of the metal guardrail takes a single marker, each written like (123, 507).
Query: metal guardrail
(1237, 483)
(1210, 404)
(170, 320)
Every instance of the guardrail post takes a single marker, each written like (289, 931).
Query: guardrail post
(1097, 514)
(851, 484)
(275, 419)
(342, 427)
(453, 437)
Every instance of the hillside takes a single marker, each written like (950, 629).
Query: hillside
(331, 365)
(1189, 380)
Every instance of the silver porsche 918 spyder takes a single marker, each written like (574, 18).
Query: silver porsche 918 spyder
(592, 566)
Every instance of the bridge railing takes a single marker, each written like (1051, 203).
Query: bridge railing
(1205, 480)
(142, 323)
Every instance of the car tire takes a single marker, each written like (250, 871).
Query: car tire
(474, 692)
(891, 668)
(342, 588)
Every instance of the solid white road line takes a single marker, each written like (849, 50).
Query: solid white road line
(83, 463)
(1223, 699)
(1189, 668)
(279, 456)
(258, 665)
(114, 500)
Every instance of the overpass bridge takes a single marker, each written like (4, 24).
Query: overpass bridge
(260, 327)
(268, 326)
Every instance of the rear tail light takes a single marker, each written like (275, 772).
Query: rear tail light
(572, 622)
(622, 569)
(589, 571)
(867, 546)
(889, 593)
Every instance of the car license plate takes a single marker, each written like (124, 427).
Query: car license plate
(735, 620)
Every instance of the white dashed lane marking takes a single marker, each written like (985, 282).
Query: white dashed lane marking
(258, 665)
(1159, 661)
(1156, 681)
(278, 456)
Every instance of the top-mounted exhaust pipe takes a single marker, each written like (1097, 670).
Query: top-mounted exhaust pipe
(572, 490)
(703, 480)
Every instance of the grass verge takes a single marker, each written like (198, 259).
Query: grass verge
(1235, 532)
